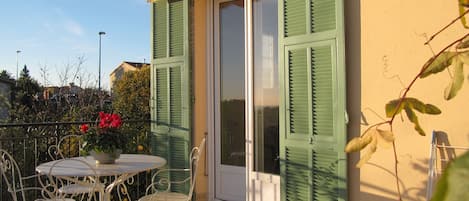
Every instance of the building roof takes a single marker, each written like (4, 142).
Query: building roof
(137, 65)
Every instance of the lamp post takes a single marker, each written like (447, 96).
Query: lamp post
(17, 53)
(99, 78)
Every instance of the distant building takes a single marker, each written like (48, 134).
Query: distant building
(55, 93)
(125, 66)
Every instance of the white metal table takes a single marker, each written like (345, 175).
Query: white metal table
(125, 167)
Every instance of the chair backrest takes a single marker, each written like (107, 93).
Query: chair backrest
(441, 154)
(11, 174)
(56, 181)
(194, 162)
(67, 147)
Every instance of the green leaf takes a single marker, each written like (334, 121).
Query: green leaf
(422, 107)
(414, 119)
(461, 12)
(432, 109)
(391, 107)
(454, 183)
(458, 80)
(416, 104)
(464, 57)
(463, 44)
(438, 64)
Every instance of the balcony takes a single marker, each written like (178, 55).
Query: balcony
(29, 143)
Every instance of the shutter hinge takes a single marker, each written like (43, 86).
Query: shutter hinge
(193, 99)
(346, 117)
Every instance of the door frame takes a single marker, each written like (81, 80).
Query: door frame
(249, 104)
(210, 101)
(211, 93)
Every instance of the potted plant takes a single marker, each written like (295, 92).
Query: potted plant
(104, 141)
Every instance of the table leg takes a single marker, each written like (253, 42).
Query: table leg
(119, 180)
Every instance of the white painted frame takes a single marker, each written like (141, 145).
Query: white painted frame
(251, 175)
(210, 101)
(212, 92)
(259, 186)
(249, 84)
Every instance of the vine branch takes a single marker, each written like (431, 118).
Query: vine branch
(404, 95)
(445, 27)
(424, 67)
(401, 100)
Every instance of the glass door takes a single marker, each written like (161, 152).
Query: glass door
(263, 99)
(229, 100)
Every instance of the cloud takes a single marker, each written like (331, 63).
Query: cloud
(74, 28)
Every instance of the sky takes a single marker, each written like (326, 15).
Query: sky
(52, 34)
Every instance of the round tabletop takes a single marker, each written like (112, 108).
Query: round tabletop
(127, 163)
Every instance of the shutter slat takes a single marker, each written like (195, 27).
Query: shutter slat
(325, 181)
(178, 158)
(159, 30)
(322, 15)
(298, 187)
(298, 87)
(176, 28)
(294, 20)
(162, 116)
(176, 99)
(321, 76)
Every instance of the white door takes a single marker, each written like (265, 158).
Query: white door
(263, 168)
(229, 100)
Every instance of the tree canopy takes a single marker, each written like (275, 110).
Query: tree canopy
(134, 88)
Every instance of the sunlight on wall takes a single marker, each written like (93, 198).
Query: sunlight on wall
(392, 52)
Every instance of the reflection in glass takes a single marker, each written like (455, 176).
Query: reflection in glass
(232, 82)
(266, 94)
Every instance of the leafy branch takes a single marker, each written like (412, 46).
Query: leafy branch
(375, 136)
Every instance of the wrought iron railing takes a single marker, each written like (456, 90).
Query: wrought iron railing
(29, 143)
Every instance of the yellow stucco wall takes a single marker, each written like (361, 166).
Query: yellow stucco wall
(200, 105)
(385, 46)
(384, 42)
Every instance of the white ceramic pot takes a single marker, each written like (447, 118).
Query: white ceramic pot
(105, 157)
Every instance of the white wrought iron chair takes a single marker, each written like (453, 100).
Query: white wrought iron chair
(12, 177)
(69, 146)
(155, 194)
(69, 186)
(441, 154)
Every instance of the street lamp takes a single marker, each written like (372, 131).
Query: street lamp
(99, 78)
(17, 53)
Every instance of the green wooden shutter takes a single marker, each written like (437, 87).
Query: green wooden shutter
(312, 109)
(170, 84)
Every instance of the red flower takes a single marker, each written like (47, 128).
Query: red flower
(84, 128)
(102, 115)
(109, 120)
(105, 120)
(116, 121)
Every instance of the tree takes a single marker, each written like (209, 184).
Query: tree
(25, 98)
(5, 75)
(132, 102)
(132, 95)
